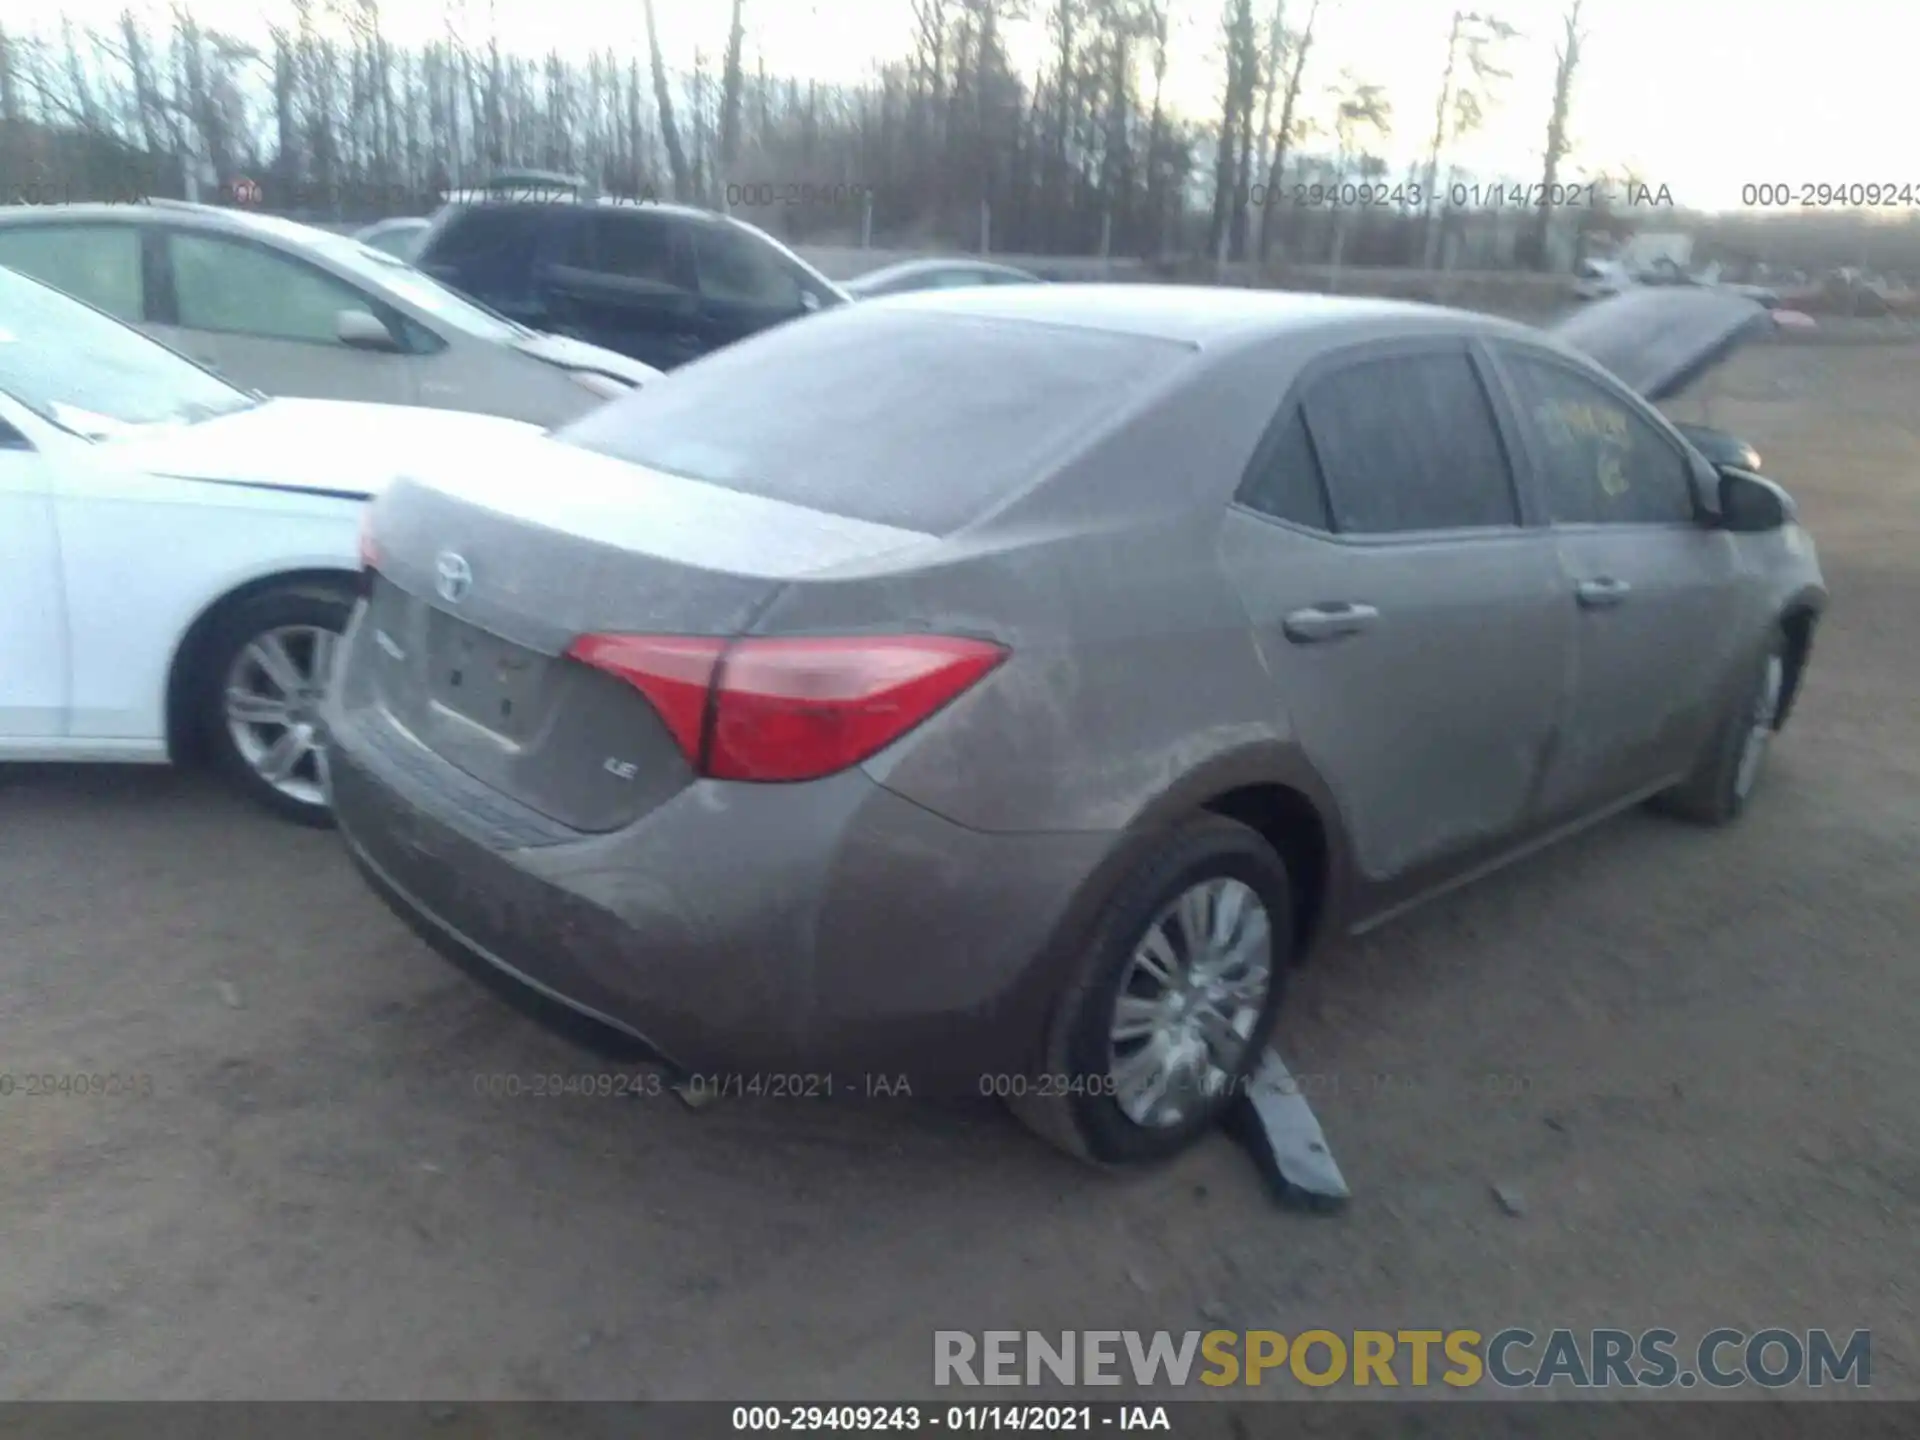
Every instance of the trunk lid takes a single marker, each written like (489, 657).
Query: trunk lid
(1660, 339)
(327, 447)
(486, 576)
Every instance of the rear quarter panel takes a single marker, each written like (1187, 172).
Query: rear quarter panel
(1132, 661)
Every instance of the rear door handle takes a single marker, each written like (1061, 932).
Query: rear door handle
(1328, 622)
(1602, 593)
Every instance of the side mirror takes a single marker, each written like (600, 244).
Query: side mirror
(1750, 504)
(1721, 449)
(363, 331)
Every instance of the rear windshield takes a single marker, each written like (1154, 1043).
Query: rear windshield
(901, 418)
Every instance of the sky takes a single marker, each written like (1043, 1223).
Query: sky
(1702, 97)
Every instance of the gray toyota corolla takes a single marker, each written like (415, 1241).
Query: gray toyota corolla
(1002, 688)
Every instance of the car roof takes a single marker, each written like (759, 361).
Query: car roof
(227, 219)
(689, 214)
(481, 199)
(1200, 315)
(236, 220)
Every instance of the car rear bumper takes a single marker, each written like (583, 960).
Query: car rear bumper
(826, 928)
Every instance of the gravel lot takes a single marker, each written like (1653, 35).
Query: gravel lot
(1692, 1054)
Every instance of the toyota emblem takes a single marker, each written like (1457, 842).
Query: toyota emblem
(452, 577)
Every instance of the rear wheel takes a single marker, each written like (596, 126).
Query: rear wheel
(259, 686)
(1720, 786)
(1176, 995)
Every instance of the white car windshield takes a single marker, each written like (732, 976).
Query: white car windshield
(90, 374)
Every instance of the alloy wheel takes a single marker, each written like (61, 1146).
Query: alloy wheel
(1190, 998)
(1766, 707)
(273, 694)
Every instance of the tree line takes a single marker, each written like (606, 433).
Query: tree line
(946, 144)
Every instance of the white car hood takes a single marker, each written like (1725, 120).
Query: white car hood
(321, 447)
(574, 354)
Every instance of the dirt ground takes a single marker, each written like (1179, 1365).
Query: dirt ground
(1692, 1055)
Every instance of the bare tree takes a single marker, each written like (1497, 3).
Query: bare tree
(85, 107)
(1064, 18)
(146, 101)
(1566, 57)
(1270, 79)
(730, 92)
(695, 94)
(197, 99)
(663, 97)
(1299, 45)
(1463, 101)
(1154, 237)
(1079, 159)
(9, 84)
(636, 130)
(1360, 108)
(1236, 105)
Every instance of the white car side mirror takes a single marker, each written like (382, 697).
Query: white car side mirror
(363, 331)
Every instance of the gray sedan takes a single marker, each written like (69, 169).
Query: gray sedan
(290, 310)
(1004, 688)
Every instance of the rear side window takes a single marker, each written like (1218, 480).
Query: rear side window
(898, 418)
(1284, 479)
(1408, 442)
(99, 264)
(488, 249)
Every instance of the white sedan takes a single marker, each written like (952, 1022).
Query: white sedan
(177, 556)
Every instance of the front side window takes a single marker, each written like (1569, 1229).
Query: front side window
(634, 247)
(99, 264)
(734, 268)
(487, 250)
(240, 289)
(1409, 442)
(388, 275)
(1601, 462)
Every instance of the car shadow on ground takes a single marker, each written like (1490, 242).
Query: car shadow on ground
(417, 1024)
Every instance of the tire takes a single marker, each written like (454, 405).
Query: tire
(296, 622)
(1075, 1100)
(1717, 791)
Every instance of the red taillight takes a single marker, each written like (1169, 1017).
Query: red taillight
(369, 552)
(795, 709)
(790, 709)
(674, 672)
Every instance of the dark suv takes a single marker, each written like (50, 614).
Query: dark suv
(662, 283)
